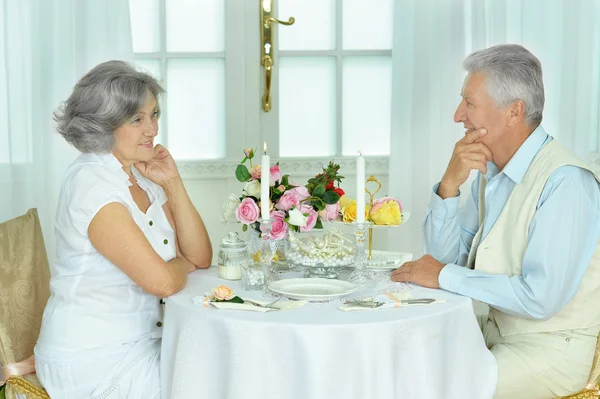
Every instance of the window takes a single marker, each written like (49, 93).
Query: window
(331, 82)
(335, 77)
(166, 42)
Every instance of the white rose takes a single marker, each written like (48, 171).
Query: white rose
(229, 208)
(252, 189)
(296, 218)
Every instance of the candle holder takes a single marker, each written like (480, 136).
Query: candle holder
(267, 252)
(360, 275)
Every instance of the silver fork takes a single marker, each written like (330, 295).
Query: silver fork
(364, 303)
(260, 305)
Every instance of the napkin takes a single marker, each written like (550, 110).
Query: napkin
(390, 300)
(280, 305)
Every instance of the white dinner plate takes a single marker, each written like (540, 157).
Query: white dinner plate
(386, 261)
(312, 289)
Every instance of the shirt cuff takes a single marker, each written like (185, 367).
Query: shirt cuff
(443, 208)
(451, 276)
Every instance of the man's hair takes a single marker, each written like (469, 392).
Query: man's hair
(512, 73)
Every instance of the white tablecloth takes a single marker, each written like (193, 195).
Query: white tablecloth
(318, 351)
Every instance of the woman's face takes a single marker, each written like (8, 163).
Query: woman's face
(134, 140)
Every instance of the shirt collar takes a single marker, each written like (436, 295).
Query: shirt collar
(517, 166)
(114, 165)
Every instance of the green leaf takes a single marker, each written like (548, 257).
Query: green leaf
(319, 224)
(236, 299)
(285, 180)
(331, 197)
(242, 174)
(244, 228)
(318, 203)
(319, 191)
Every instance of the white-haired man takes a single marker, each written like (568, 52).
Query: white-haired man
(526, 241)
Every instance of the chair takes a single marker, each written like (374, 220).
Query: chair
(24, 291)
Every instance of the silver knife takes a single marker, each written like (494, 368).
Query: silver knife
(417, 301)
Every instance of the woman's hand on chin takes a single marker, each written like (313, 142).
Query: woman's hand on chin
(161, 168)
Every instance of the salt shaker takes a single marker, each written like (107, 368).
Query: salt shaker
(233, 256)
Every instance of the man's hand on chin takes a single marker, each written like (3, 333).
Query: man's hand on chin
(424, 271)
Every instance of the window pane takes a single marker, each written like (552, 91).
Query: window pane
(196, 108)
(307, 123)
(195, 25)
(367, 25)
(314, 28)
(366, 108)
(152, 66)
(145, 28)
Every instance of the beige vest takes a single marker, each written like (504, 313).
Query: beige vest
(502, 250)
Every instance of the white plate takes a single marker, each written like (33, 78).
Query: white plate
(386, 261)
(312, 289)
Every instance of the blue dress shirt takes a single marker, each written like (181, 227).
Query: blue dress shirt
(563, 235)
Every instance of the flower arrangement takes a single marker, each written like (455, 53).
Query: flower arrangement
(385, 211)
(292, 206)
(222, 293)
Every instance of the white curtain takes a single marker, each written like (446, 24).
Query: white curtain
(432, 38)
(45, 47)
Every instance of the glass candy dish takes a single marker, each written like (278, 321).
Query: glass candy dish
(321, 253)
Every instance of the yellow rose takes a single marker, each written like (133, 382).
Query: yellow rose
(386, 213)
(344, 200)
(349, 211)
(223, 293)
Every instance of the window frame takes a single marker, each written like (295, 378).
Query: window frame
(243, 92)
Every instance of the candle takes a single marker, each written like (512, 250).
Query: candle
(265, 173)
(360, 188)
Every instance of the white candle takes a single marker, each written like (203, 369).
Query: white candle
(265, 170)
(360, 189)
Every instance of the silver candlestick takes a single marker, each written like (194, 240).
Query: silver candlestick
(267, 252)
(360, 275)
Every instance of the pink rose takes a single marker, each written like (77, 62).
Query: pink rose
(279, 227)
(247, 212)
(249, 153)
(312, 218)
(287, 200)
(281, 188)
(222, 293)
(301, 191)
(255, 172)
(384, 200)
(330, 212)
(275, 175)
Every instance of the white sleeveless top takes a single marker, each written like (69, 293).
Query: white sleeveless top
(93, 304)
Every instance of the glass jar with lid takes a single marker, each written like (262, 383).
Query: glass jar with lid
(233, 256)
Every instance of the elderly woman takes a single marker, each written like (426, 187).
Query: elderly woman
(127, 236)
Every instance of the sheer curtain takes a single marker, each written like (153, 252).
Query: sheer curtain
(432, 38)
(45, 46)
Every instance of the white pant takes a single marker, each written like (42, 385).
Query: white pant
(128, 371)
(541, 365)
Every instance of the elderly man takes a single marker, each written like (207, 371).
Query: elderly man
(526, 240)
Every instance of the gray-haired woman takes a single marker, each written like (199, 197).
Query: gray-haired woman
(127, 235)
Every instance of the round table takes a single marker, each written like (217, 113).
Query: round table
(318, 351)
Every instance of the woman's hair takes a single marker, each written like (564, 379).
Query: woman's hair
(512, 73)
(104, 99)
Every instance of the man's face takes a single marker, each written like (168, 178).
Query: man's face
(477, 110)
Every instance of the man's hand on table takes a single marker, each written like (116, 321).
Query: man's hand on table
(424, 271)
